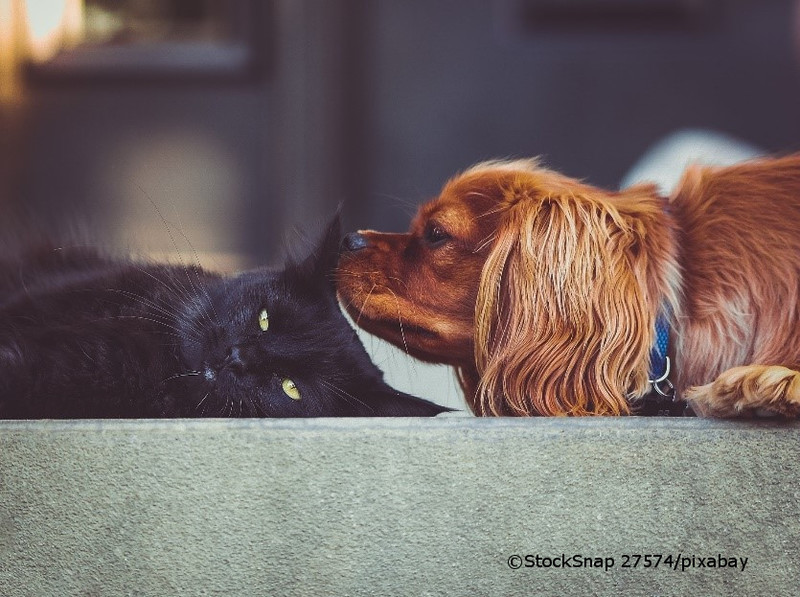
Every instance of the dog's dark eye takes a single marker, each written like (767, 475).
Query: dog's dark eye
(435, 235)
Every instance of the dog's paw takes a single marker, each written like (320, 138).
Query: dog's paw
(707, 403)
(749, 391)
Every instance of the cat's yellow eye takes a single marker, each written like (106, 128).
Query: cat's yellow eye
(290, 388)
(263, 320)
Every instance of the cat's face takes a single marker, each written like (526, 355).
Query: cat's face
(276, 344)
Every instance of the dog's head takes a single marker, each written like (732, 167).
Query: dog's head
(545, 287)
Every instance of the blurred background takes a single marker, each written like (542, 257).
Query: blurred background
(238, 121)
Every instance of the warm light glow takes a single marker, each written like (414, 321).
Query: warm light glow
(44, 18)
(52, 26)
(34, 30)
(12, 48)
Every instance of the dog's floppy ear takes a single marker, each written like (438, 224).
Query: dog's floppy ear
(565, 309)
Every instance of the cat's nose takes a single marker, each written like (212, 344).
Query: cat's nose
(355, 241)
(234, 359)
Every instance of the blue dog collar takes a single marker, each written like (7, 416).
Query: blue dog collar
(659, 361)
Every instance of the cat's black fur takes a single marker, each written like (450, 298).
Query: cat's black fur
(87, 336)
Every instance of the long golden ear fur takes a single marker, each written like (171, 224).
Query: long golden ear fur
(567, 303)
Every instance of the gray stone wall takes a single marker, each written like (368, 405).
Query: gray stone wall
(398, 507)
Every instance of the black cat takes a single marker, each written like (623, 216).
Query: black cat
(88, 336)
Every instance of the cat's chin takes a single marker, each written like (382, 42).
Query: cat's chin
(227, 384)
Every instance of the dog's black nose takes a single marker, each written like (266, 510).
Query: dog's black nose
(354, 242)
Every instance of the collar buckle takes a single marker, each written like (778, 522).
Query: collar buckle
(662, 385)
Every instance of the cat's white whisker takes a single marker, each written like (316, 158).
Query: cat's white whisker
(187, 374)
(255, 407)
(197, 261)
(156, 321)
(172, 316)
(178, 289)
(177, 250)
(201, 402)
(344, 394)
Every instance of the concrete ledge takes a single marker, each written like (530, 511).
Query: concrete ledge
(395, 506)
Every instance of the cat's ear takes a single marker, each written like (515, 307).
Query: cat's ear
(391, 403)
(318, 267)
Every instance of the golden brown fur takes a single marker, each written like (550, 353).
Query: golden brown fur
(544, 291)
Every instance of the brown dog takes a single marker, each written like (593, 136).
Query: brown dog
(544, 292)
